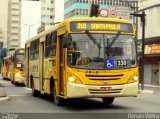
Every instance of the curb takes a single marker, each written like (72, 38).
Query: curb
(151, 86)
(145, 92)
(2, 91)
(4, 99)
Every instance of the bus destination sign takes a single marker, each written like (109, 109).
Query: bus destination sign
(20, 51)
(101, 26)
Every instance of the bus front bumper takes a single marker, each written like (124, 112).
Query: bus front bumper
(82, 91)
(19, 79)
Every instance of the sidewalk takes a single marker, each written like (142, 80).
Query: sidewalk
(3, 94)
(150, 89)
(156, 89)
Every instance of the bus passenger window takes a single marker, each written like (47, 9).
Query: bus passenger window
(50, 47)
(37, 49)
(47, 43)
(53, 44)
(32, 48)
(53, 38)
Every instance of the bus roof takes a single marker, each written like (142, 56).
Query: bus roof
(48, 30)
(54, 27)
(98, 19)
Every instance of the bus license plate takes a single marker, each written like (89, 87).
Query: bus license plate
(105, 88)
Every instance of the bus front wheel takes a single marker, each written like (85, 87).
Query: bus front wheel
(57, 100)
(108, 100)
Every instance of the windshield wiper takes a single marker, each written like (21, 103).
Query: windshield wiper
(114, 39)
(93, 39)
(109, 45)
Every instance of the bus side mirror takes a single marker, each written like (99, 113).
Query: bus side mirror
(12, 57)
(67, 39)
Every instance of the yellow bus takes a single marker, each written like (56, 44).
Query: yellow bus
(5, 70)
(83, 58)
(17, 67)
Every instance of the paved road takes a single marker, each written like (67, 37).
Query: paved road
(23, 102)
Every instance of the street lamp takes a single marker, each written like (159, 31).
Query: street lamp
(29, 28)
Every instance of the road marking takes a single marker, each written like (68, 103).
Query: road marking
(27, 88)
(146, 92)
(16, 95)
(4, 99)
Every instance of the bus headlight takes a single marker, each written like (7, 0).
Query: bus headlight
(18, 74)
(133, 79)
(74, 79)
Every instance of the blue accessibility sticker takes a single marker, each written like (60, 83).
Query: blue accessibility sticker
(109, 63)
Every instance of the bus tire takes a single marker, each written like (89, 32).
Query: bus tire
(108, 100)
(35, 93)
(15, 83)
(51, 86)
(57, 100)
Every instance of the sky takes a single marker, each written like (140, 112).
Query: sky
(59, 10)
(31, 16)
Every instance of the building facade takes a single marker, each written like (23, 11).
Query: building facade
(14, 24)
(3, 22)
(48, 12)
(80, 8)
(152, 40)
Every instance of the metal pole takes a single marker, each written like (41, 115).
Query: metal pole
(142, 16)
(143, 45)
(136, 21)
(29, 26)
(29, 31)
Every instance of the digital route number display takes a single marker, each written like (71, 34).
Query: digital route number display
(101, 26)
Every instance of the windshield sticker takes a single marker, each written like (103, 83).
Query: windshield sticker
(110, 63)
(121, 62)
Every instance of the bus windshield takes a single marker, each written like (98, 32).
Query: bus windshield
(20, 58)
(112, 53)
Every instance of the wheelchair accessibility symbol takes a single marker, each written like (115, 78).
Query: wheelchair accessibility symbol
(110, 63)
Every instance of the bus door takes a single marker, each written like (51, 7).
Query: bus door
(62, 73)
(26, 67)
(41, 63)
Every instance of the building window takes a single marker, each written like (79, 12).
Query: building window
(51, 17)
(51, 9)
